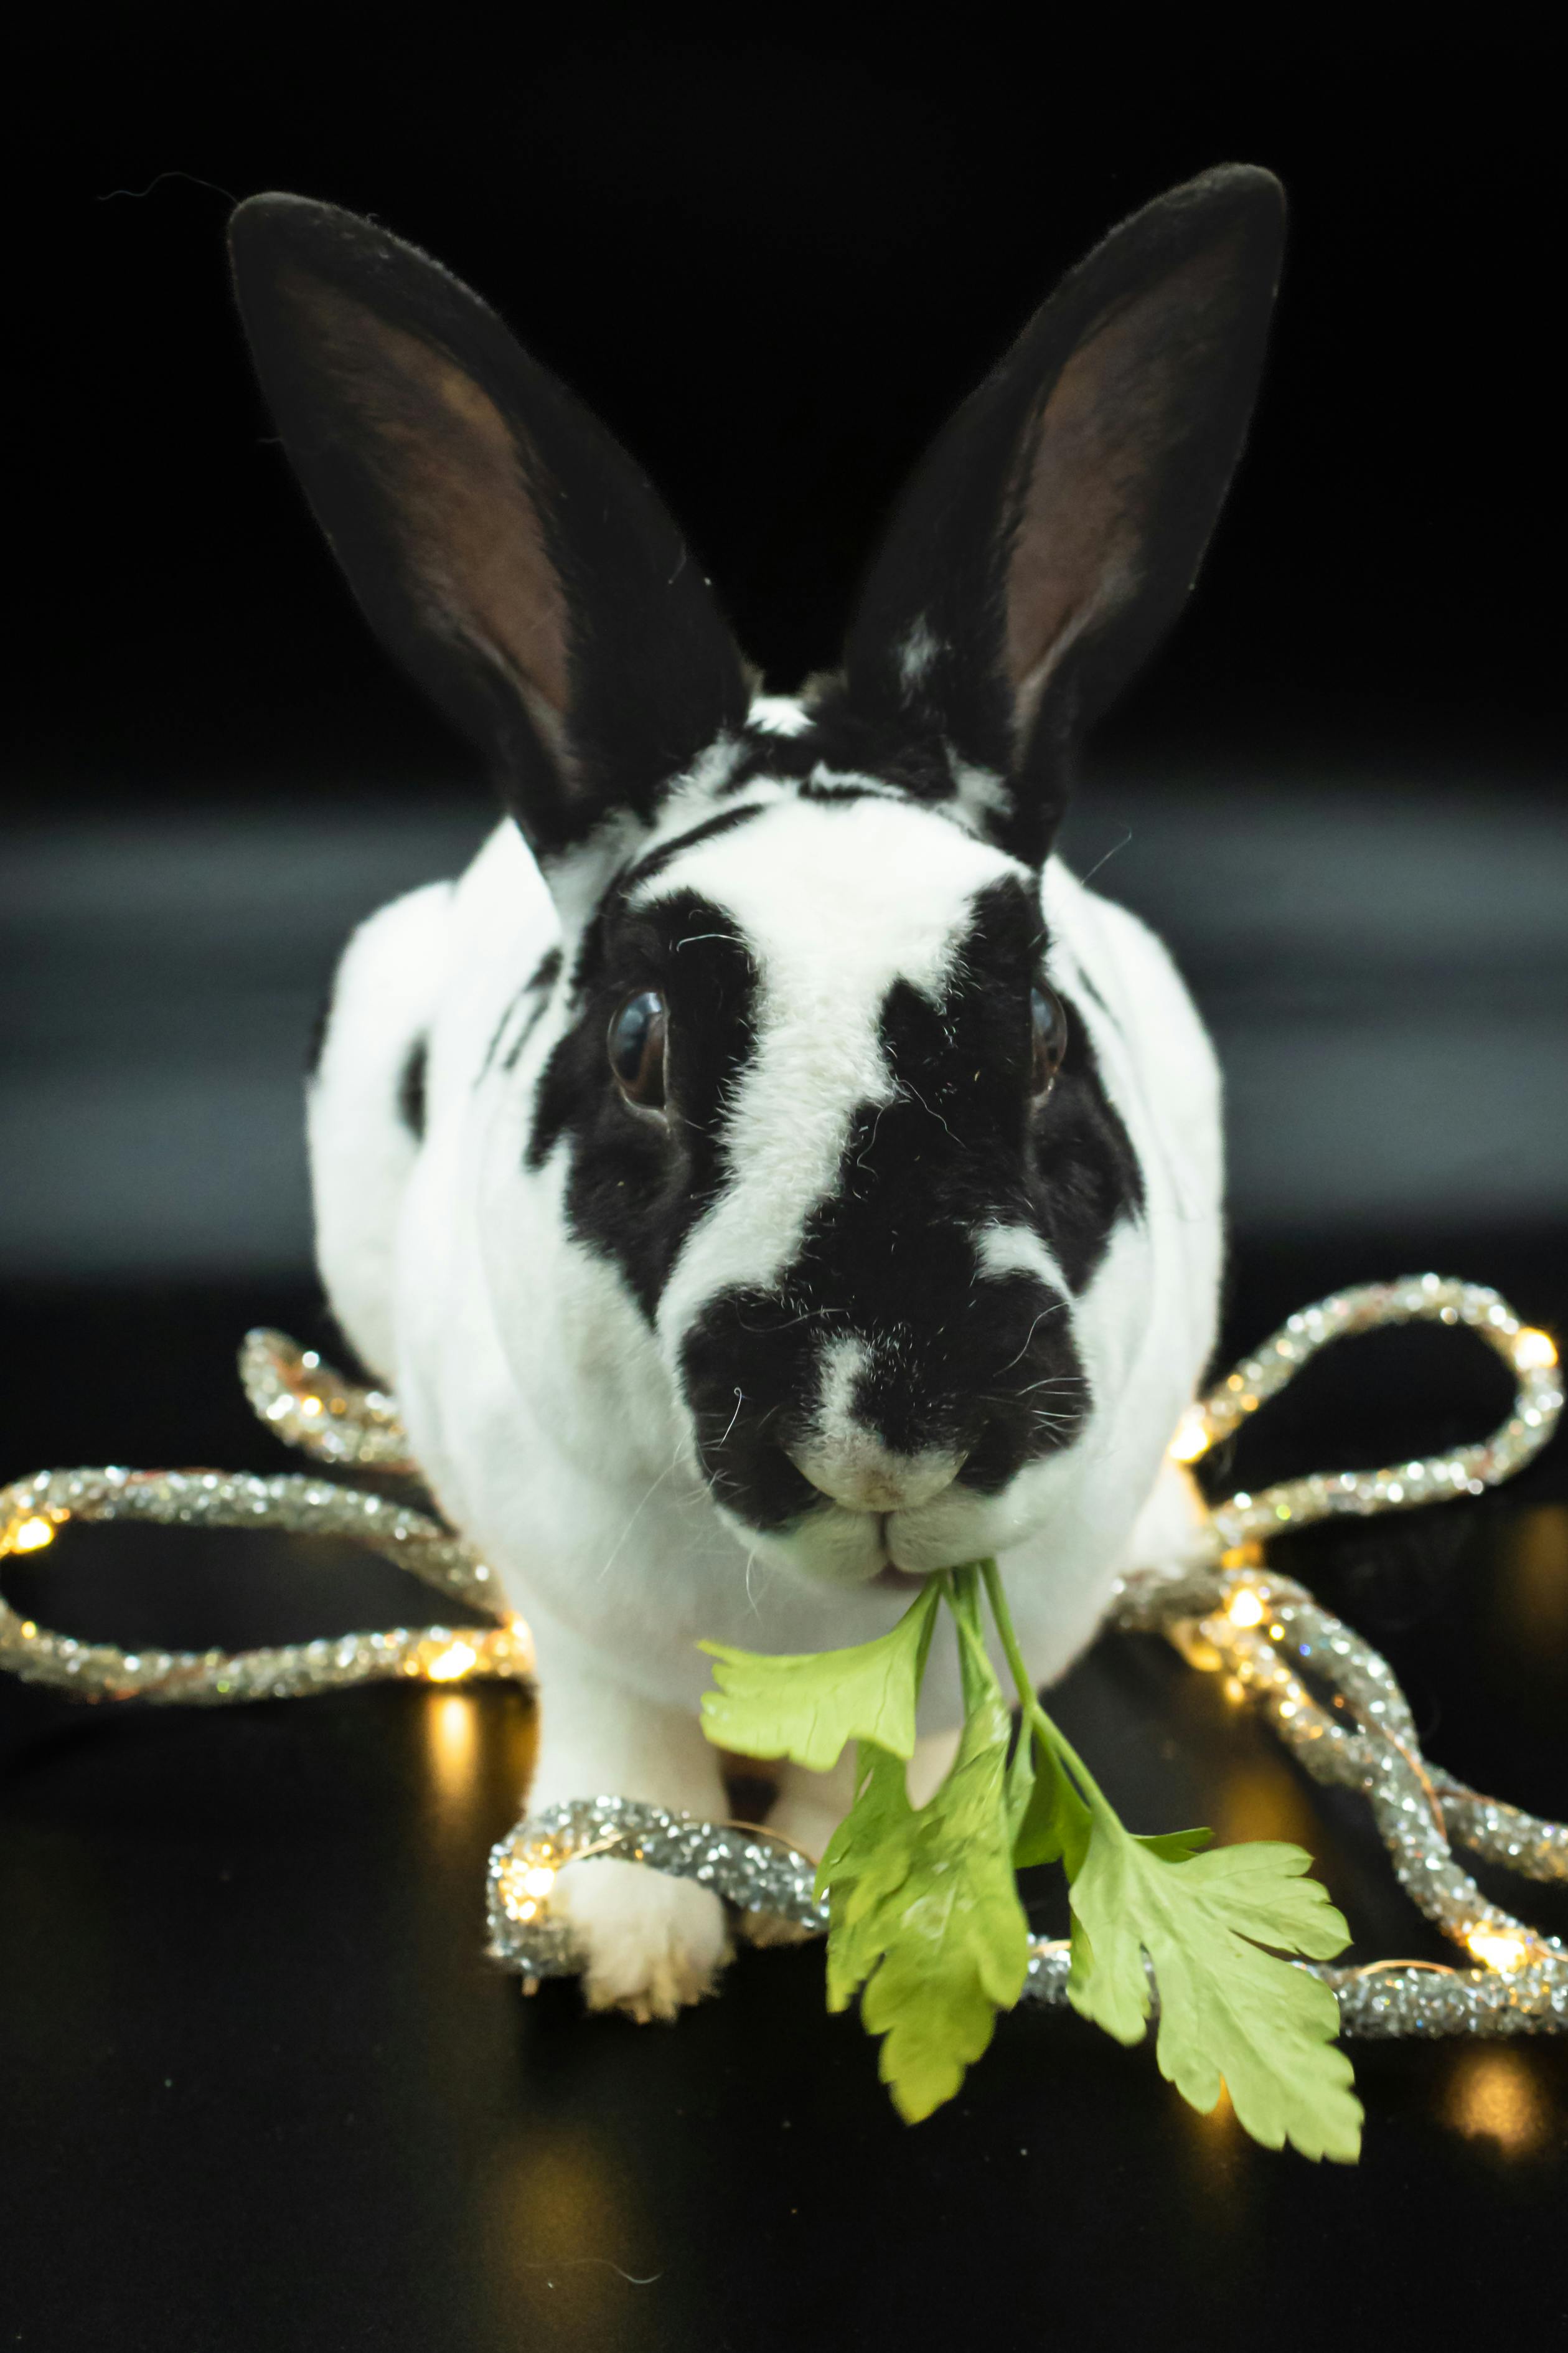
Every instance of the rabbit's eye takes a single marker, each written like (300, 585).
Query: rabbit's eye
(1049, 1023)
(635, 1043)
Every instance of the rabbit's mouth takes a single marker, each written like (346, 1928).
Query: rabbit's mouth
(892, 1552)
(893, 1579)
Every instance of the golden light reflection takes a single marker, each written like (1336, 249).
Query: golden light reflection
(1495, 2096)
(448, 1665)
(452, 1730)
(558, 2233)
(1535, 1351)
(32, 1535)
(1192, 1437)
(1264, 1800)
(1496, 1949)
(1244, 1606)
(1532, 1585)
(1220, 2175)
(1193, 1645)
(526, 1884)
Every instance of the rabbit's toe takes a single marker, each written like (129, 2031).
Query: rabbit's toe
(650, 1943)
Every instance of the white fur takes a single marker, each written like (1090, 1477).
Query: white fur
(979, 793)
(779, 715)
(546, 1413)
(387, 987)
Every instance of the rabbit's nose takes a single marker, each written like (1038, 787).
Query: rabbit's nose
(865, 1476)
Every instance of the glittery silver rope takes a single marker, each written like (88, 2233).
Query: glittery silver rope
(1223, 1612)
(1530, 1355)
(306, 1404)
(34, 1510)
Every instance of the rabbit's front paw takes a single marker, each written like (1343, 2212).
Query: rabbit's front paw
(650, 1943)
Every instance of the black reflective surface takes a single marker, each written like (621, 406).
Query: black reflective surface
(262, 2089)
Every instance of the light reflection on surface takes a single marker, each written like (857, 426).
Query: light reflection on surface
(1221, 2117)
(1219, 2175)
(452, 1740)
(1264, 1800)
(1531, 1583)
(562, 2242)
(1496, 2095)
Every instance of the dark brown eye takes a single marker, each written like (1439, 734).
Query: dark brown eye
(1049, 1024)
(635, 1044)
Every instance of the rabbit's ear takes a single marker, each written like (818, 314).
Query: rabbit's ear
(1055, 527)
(503, 546)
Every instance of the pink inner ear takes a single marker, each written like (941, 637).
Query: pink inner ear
(456, 478)
(1101, 441)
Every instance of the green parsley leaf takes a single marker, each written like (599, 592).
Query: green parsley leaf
(807, 1704)
(924, 1907)
(1055, 1823)
(1226, 2009)
(867, 1861)
(924, 1914)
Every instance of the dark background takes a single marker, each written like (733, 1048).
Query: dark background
(257, 2087)
(774, 263)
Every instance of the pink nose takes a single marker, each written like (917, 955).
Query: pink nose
(867, 1477)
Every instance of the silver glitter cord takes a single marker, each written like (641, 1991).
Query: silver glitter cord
(1223, 1610)
(1530, 1355)
(306, 1404)
(33, 1511)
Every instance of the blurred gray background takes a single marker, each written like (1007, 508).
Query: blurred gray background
(1384, 970)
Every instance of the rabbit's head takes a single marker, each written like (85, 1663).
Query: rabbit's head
(815, 1087)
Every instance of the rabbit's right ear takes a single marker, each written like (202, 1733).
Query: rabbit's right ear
(1055, 528)
(503, 546)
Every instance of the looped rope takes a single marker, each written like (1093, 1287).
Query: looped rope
(1223, 1612)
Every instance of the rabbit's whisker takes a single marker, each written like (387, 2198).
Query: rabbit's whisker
(620, 1541)
(1042, 1317)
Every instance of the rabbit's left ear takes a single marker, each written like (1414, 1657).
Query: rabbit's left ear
(1056, 526)
(502, 546)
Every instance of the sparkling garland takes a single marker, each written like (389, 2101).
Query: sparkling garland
(1224, 1610)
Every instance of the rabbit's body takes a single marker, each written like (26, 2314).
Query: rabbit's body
(776, 1179)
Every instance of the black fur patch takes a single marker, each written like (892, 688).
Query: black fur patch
(1088, 1176)
(639, 1181)
(1096, 998)
(537, 987)
(667, 852)
(847, 743)
(812, 791)
(957, 1360)
(411, 1088)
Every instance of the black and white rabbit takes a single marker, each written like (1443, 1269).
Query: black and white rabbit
(767, 1175)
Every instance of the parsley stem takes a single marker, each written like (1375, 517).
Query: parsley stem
(1034, 1713)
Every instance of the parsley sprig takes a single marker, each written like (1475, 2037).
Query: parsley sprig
(924, 1918)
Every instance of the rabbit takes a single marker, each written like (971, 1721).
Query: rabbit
(767, 1176)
